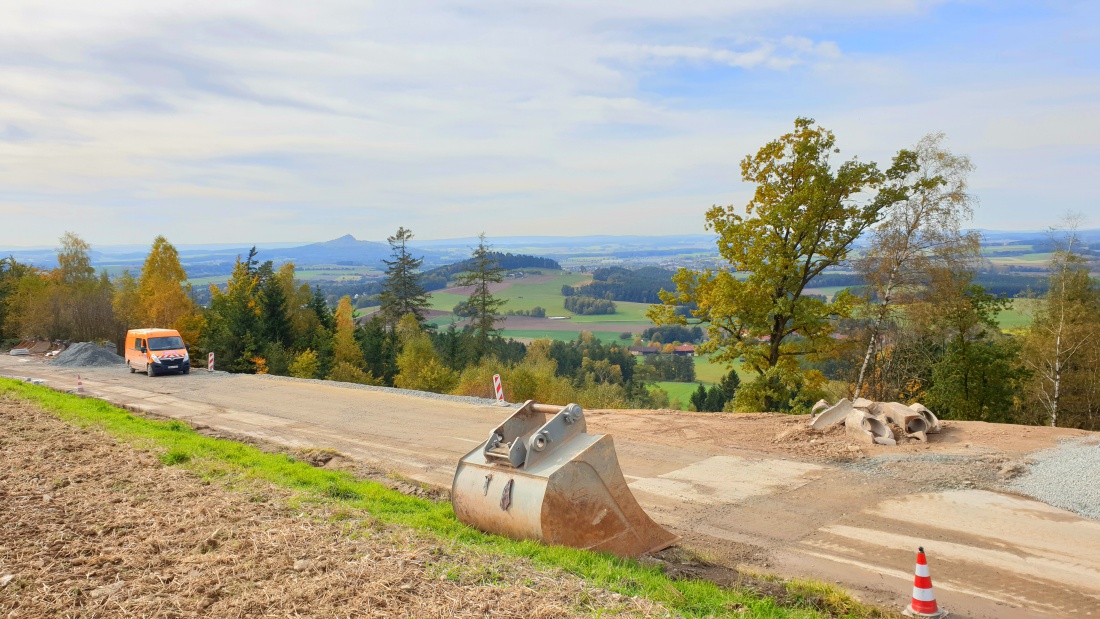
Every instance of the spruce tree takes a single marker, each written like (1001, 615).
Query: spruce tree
(482, 270)
(699, 399)
(402, 292)
(274, 314)
(730, 383)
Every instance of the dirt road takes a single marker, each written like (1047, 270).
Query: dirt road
(752, 490)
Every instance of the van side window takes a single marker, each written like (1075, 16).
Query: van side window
(137, 343)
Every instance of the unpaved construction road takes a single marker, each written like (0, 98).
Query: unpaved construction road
(748, 490)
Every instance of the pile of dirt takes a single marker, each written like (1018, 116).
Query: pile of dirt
(87, 355)
(90, 527)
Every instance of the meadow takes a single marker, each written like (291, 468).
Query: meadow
(607, 337)
(545, 291)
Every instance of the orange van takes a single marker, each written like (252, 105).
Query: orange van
(156, 351)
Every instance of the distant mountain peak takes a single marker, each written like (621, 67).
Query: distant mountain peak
(347, 239)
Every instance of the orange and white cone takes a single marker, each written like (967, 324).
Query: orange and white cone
(79, 385)
(924, 599)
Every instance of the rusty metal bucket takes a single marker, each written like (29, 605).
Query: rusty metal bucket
(540, 476)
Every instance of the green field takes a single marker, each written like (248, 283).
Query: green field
(1022, 260)
(526, 295)
(1017, 316)
(679, 391)
(1001, 249)
(522, 294)
(607, 337)
(712, 373)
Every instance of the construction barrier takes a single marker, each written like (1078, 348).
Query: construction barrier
(498, 387)
(210, 362)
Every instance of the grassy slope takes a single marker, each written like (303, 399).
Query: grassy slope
(179, 445)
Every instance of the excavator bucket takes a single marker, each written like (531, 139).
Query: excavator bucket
(540, 476)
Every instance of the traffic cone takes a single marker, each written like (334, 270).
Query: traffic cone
(924, 599)
(79, 385)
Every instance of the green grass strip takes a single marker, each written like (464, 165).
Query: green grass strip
(178, 444)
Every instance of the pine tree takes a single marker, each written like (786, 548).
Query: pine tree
(402, 292)
(730, 383)
(274, 315)
(482, 271)
(716, 399)
(699, 399)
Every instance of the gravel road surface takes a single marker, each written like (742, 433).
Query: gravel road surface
(750, 490)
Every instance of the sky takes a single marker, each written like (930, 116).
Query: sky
(210, 121)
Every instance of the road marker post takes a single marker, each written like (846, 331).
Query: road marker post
(499, 389)
(210, 362)
(79, 384)
(923, 603)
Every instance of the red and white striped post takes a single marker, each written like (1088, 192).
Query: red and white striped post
(210, 362)
(923, 603)
(79, 384)
(499, 388)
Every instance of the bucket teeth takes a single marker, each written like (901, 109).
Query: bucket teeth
(556, 483)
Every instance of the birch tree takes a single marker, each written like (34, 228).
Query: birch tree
(921, 232)
(1065, 330)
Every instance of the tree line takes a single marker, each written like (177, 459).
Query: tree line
(588, 306)
(621, 284)
(263, 320)
(439, 277)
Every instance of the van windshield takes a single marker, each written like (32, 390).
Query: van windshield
(171, 342)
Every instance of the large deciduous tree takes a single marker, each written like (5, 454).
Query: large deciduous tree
(12, 274)
(974, 373)
(162, 287)
(345, 348)
(402, 292)
(920, 233)
(802, 219)
(482, 271)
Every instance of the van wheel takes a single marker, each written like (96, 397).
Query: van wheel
(150, 371)
(132, 370)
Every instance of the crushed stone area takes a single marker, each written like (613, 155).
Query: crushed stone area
(1066, 476)
(936, 472)
(87, 355)
(92, 528)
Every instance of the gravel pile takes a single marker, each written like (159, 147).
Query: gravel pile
(87, 355)
(465, 399)
(1065, 477)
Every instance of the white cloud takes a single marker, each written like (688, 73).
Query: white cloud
(457, 117)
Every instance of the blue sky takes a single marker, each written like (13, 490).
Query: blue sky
(211, 121)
